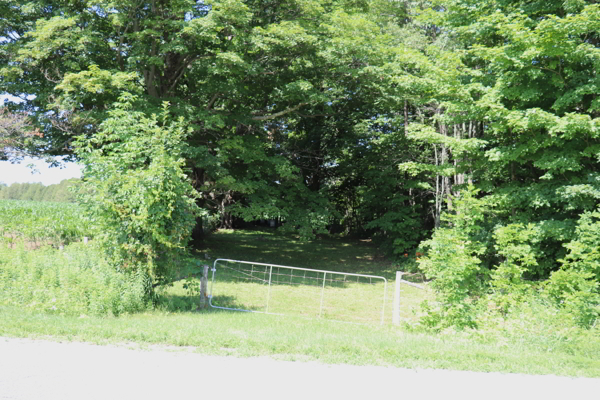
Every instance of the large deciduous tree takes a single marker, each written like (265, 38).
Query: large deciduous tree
(275, 94)
(366, 117)
(538, 63)
(230, 68)
(532, 67)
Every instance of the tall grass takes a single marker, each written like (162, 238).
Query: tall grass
(300, 339)
(71, 282)
(538, 325)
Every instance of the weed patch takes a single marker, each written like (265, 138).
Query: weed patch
(76, 281)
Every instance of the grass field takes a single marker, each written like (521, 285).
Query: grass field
(526, 345)
(340, 295)
(299, 339)
(310, 293)
(270, 246)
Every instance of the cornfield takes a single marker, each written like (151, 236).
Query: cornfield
(40, 223)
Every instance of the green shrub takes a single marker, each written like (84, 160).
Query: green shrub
(575, 288)
(537, 323)
(74, 281)
(513, 244)
(576, 292)
(135, 188)
(453, 262)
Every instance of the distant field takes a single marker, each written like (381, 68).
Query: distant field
(39, 223)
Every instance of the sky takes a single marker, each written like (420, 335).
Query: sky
(21, 173)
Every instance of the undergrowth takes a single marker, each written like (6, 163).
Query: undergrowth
(74, 281)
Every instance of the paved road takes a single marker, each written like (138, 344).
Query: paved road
(36, 369)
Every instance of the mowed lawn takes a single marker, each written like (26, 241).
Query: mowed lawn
(359, 289)
(273, 247)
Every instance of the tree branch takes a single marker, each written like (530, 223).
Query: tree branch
(183, 67)
(278, 114)
(315, 115)
(212, 101)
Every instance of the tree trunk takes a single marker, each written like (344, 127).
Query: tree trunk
(226, 217)
(438, 196)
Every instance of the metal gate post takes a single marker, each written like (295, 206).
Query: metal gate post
(396, 307)
(322, 294)
(384, 299)
(269, 291)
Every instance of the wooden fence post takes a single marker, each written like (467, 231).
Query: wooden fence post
(204, 287)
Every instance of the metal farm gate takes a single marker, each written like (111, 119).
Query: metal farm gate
(283, 290)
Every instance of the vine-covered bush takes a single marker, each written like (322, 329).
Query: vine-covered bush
(575, 286)
(135, 189)
(453, 262)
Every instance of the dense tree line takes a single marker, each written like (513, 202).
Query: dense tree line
(377, 118)
(38, 192)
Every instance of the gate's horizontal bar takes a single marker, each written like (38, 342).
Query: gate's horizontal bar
(301, 269)
(412, 284)
(324, 272)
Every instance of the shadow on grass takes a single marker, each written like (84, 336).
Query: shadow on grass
(187, 304)
(176, 303)
(273, 247)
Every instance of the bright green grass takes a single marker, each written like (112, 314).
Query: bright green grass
(311, 294)
(516, 347)
(289, 338)
(334, 296)
(355, 303)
